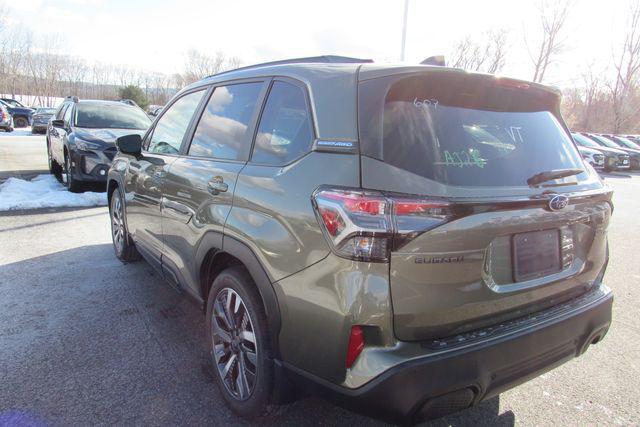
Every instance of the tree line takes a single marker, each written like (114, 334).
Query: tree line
(37, 66)
(605, 99)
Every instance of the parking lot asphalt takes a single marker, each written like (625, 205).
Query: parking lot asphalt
(85, 339)
(22, 154)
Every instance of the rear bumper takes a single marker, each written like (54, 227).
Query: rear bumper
(445, 381)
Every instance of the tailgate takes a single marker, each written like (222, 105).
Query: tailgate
(462, 276)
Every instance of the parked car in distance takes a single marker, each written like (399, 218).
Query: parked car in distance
(14, 103)
(633, 138)
(81, 138)
(337, 219)
(6, 121)
(625, 158)
(613, 157)
(40, 119)
(21, 115)
(628, 146)
(594, 157)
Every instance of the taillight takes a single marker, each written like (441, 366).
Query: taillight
(367, 225)
(4, 115)
(355, 346)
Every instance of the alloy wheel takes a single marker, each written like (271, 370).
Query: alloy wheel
(234, 344)
(117, 223)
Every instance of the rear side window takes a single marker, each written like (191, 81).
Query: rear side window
(285, 131)
(60, 112)
(463, 130)
(222, 132)
(67, 115)
(170, 129)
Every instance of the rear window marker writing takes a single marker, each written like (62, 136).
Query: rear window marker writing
(462, 158)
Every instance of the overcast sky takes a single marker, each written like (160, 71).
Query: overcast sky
(155, 34)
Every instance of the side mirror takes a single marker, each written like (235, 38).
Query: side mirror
(130, 144)
(57, 123)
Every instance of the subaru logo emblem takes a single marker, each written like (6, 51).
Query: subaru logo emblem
(558, 202)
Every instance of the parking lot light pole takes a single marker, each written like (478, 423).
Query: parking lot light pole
(404, 29)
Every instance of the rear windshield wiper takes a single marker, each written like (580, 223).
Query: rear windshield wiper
(552, 174)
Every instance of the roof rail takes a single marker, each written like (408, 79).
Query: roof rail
(129, 102)
(324, 59)
(72, 98)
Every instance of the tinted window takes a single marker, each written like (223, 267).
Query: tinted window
(110, 116)
(170, 129)
(222, 130)
(464, 130)
(285, 127)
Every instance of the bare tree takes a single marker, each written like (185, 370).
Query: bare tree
(592, 83)
(496, 50)
(467, 55)
(486, 53)
(627, 65)
(15, 45)
(552, 19)
(199, 65)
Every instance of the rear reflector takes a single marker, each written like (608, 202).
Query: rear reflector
(356, 345)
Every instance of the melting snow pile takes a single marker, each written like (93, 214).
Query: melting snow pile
(44, 191)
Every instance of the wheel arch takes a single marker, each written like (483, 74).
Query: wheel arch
(217, 253)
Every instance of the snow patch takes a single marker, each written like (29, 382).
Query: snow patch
(44, 191)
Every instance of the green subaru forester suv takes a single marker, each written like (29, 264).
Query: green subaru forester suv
(404, 240)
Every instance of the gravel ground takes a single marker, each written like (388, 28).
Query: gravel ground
(86, 340)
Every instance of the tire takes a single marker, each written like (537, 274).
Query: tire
(20, 122)
(54, 167)
(68, 180)
(122, 245)
(233, 341)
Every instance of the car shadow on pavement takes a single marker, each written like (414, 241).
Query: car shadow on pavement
(86, 339)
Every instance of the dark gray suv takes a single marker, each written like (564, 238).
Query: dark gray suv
(404, 240)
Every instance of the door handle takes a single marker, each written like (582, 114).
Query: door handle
(217, 185)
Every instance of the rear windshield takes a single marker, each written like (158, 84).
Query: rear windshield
(464, 130)
(111, 116)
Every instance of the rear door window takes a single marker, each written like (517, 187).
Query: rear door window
(223, 130)
(463, 130)
(285, 131)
